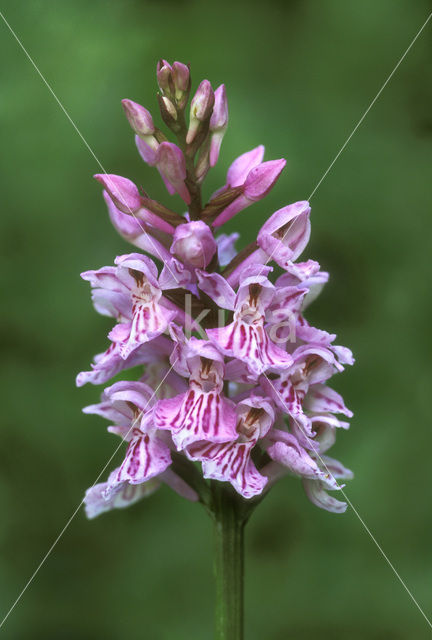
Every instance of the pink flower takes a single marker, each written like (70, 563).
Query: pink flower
(286, 233)
(203, 412)
(231, 462)
(130, 406)
(246, 337)
(131, 294)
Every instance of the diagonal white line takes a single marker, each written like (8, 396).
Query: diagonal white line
(51, 90)
(366, 528)
(60, 535)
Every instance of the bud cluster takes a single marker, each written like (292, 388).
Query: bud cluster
(231, 379)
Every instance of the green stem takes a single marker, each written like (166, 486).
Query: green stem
(228, 563)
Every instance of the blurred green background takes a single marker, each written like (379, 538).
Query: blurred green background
(299, 75)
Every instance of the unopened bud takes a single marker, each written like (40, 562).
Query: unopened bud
(164, 78)
(194, 244)
(168, 113)
(122, 192)
(262, 178)
(239, 169)
(139, 118)
(171, 163)
(182, 82)
(257, 185)
(201, 108)
(218, 123)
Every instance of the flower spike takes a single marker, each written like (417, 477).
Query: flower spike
(225, 378)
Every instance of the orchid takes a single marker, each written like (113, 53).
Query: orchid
(230, 391)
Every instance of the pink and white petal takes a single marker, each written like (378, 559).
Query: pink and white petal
(313, 282)
(146, 457)
(112, 303)
(174, 274)
(125, 494)
(217, 288)
(315, 491)
(125, 393)
(105, 278)
(106, 410)
(120, 333)
(167, 410)
(197, 416)
(136, 262)
(305, 332)
(257, 257)
(230, 463)
(287, 302)
(225, 247)
(336, 468)
(251, 344)
(302, 270)
(110, 363)
(286, 233)
(239, 169)
(125, 432)
(238, 371)
(321, 398)
(343, 354)
(149, 321)
(290, 454)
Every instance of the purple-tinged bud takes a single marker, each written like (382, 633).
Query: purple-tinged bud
(219, 117)
(182, 82)
(139, 118)
(181, 77)
(201, 108)
(168, 113)
(122, 191)
(147, 152)
(194, 244)
(286, 233)
(124, 188)
(135, 231)
(218, 123)
(238, 171)
(261, 179)
(257, 185)
(164, 77)
(171, 163)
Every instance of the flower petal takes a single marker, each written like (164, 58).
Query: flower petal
(315, 491)
(230, 462)
(195, 416)
(125, 495)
